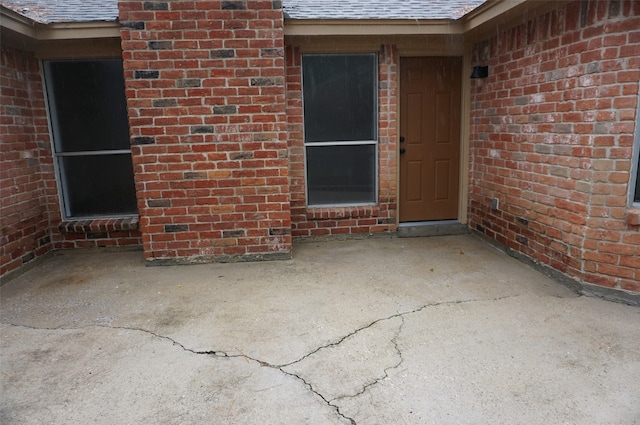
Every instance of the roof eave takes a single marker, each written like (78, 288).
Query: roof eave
(494, 14)
(360, 27)
(17, 23)
(485, 19)
(26, 27)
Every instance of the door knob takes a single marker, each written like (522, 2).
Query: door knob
(402, 150)
(401, 139)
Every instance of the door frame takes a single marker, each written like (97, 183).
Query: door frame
(465, 90)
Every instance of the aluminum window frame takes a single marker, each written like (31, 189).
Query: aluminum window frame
(375, 141)
(634, 181)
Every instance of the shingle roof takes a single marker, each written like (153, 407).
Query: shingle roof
(63, 11)
(60, 11)
(379, 9)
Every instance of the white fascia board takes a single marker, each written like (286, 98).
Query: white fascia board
(79, 31)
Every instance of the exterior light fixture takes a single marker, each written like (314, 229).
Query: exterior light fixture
(480, 72)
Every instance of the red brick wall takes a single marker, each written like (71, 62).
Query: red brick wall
(30, 218)
(552, 134)
(206, 97)
(25, 162)
(345, 220)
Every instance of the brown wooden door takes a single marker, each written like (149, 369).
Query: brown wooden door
(430, 127)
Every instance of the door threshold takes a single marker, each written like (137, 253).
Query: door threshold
(431, 228)
(428, 223)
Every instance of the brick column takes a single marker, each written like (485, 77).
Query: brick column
(205, 88)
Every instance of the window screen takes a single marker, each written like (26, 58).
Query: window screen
(98, 185)
(341, 174)
(339, 97)
(340, 125)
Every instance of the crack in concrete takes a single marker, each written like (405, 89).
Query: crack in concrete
(222, 354)
(313, 390)
(394, 340)
(329, 402)
(393, 316)
(213, 353)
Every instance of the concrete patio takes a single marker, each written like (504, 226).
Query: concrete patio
(441, 330)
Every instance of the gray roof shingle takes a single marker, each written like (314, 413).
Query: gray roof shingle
(62, 11)
(379, 9)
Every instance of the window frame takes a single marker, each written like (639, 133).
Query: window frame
(634, 181)
(54, 131)
(374, 141)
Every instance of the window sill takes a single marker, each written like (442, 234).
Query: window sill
(99, 225)
(332, 213)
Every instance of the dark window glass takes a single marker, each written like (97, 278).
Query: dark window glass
(339, 97)
(341, 174)
(88, 113)
(87, 102)
(98, 185)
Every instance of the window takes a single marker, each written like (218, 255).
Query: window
(635, 176)
(88, 115)
(636, 197)
(340, 126)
